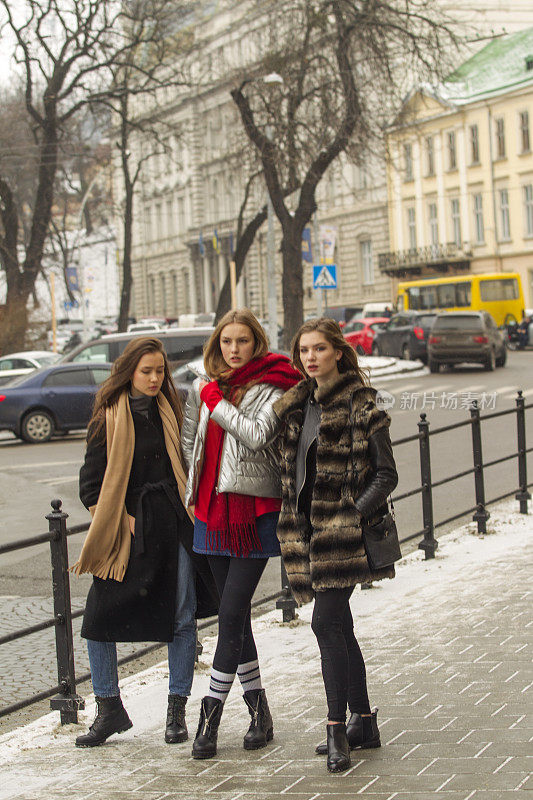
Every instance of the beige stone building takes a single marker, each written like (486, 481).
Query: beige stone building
(460, 172)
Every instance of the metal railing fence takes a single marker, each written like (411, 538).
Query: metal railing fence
(64, 696)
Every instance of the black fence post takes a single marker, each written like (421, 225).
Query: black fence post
(522, 495)
(482, 515)
(286, 602)
(68, 702)
(428, 544)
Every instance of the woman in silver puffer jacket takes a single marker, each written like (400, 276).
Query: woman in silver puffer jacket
(234, 484)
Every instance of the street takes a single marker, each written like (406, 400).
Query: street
(32, 475)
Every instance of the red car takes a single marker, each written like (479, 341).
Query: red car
(360, 333)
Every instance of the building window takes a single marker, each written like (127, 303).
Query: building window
(524, 132)
(181, 214)
(411, 227)
(452, 154)
(456, 222)
(158, 222)
(170, 219)
(474, 144)
(504, 214)
(500, 138)
(528, 208)
(408, 161)
(366, 261)
(430, 156)
(478, 218)
(433, 224)
(175, 297)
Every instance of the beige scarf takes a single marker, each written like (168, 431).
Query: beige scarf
(106, 550)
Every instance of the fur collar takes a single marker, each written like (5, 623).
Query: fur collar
(341, 387)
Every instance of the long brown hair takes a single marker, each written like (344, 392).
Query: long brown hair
(214, 363)
(120, 380)
(332, 332)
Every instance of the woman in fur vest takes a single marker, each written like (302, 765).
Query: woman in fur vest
(234, 483)
(148, 584)
(337, 471)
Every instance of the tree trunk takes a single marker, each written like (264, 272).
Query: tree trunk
(14, 321)
(292, 283)
(125, 295)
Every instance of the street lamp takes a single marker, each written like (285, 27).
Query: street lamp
(272, 299)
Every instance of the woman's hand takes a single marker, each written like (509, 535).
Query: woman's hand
(131, 520)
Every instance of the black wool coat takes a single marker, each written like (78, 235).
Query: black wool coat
(331, 554)
(141, 607)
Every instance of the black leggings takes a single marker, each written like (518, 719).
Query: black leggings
(236, 580)
(343, 666)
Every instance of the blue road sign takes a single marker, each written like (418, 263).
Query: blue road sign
(325, 276)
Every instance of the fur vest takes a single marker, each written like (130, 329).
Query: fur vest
(332, 554)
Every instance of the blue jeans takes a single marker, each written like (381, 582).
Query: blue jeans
(181, 650)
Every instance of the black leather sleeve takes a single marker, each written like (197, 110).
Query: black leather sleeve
(383, 478)
(92, 472)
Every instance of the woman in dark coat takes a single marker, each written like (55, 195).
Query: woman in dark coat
(337, 471)
(148, 584)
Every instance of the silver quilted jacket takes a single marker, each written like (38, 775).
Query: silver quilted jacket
(249, 463)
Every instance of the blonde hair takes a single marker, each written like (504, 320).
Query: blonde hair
(333, 334)
(214, 363)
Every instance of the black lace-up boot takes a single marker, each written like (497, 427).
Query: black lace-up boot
(176, 729)
(205, 743)
(261, 729)
(111, 717)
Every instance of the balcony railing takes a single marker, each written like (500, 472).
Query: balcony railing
(439, 256)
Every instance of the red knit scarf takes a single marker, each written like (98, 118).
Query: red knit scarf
(231, 523)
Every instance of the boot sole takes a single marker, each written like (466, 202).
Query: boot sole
(176, 739)
(342, 769)
(97, 744)
(202, 756)
(259, 745)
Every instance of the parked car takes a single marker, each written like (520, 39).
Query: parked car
(181, 345)
(360, 333)
(137, 327)
(16, 364)
(343, 314)
(466, 336)
(50, 400)
(404, 335)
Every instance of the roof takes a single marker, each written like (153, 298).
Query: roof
(499, 66)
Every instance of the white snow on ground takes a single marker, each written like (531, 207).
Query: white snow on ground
(288, 651)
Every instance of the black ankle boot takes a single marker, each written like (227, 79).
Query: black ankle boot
(362, 732)
(205, 744)
(261, 729)
(111, 718)
(176, 729)
(337, 747)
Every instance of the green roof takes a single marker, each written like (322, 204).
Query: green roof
(498, 66)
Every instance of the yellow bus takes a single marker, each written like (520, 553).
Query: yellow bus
(499, 293)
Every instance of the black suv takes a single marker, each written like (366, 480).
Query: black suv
(405, 335)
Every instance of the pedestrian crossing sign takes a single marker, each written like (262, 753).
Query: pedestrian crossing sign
(325, 276)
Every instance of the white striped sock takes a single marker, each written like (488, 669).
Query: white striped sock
(220, 684)
(249, 675)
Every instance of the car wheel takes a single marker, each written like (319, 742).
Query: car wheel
(37, 427)
(406, 353)
(375, 349)
(359, 350)
(433, 365)
(490, 363)
(500, 362)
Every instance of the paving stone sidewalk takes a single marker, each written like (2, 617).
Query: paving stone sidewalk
(448, 652)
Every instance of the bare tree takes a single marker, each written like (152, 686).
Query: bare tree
(68, 53)
(344, 65)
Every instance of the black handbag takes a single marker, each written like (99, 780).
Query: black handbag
(381, 541)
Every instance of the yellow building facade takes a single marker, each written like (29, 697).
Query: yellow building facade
(460, 171)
